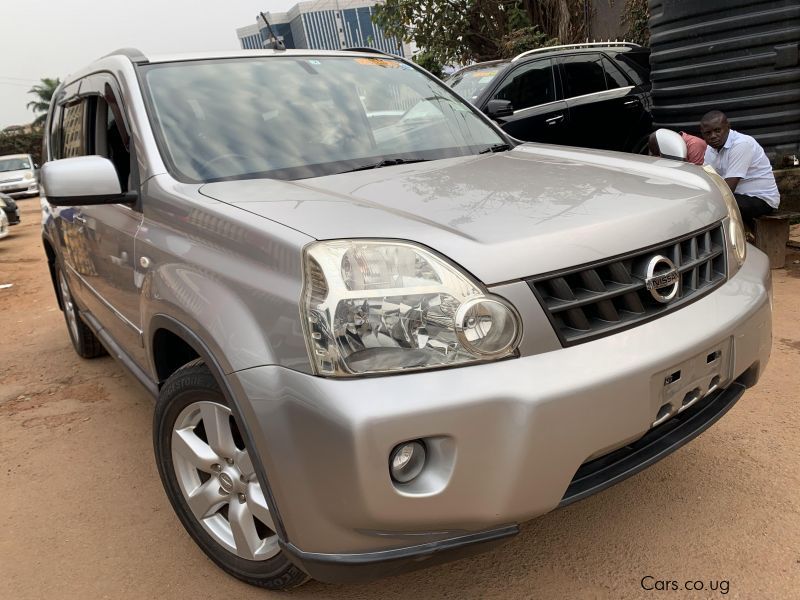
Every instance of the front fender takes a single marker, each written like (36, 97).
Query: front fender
(218, 315)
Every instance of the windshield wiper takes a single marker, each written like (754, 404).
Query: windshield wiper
(387, 162)
(496, 148)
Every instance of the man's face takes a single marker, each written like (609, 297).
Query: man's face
(715, 132)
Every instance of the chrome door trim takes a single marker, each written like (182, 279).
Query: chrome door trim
(606, 92)
(538, 106)
(105, 302)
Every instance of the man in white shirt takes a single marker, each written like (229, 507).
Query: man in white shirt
(741, 161)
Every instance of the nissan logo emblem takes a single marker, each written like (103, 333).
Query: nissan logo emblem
(663, 279)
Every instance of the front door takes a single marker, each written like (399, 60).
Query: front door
(103, 235)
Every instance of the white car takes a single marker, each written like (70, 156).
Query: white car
(4, 228)
(17, 175)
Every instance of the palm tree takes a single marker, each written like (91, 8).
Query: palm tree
(43, 92)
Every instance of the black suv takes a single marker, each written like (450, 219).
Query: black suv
(595, 95)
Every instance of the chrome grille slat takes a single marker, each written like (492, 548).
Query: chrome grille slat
(592, 301)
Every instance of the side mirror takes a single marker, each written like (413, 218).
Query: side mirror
(496, 109)
(82, 181)
(671, 145)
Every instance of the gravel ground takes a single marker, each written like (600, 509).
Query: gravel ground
(85, 515)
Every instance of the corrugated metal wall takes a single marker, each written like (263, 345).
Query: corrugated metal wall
(738, 56)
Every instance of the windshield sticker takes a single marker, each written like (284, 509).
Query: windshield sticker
(482, 74)
(380, 62)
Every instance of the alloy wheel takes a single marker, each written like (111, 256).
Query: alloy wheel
(218, 482)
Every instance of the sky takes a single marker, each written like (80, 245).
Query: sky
(52, 38)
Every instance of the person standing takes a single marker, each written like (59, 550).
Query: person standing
(741, 162)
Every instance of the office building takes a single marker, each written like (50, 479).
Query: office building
(322, 25)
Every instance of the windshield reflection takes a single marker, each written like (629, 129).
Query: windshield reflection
(294, 117)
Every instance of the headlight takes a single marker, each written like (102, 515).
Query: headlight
(2, 203)
(28, 175)
(736, 233)
(373, 306)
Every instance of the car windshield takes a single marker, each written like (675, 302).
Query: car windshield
(294, 117)
(14, 164)
(471, 82)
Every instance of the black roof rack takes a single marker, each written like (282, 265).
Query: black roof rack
(368, 49)
(136, 55)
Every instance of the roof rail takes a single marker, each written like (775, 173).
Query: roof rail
(368, 49)
(576, 46)
(136, 55)
(376, 51)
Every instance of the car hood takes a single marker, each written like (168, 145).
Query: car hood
(18, 174)
(501, 216)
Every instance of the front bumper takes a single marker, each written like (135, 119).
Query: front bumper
(20, 189)
(506, 440)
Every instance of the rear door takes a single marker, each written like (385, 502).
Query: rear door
(604, 107)
(68, 140)
(533, 90)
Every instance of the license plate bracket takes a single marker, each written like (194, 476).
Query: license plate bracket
(675, 389)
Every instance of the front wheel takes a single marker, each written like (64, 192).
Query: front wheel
(208, 475)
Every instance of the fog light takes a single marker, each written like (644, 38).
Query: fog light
(406, 461)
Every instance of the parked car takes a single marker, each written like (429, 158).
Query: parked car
(4, 228)
(595, 95)
(10, 208)
(379, 345)
(17, 175)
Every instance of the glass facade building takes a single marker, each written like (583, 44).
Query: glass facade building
(322, 25)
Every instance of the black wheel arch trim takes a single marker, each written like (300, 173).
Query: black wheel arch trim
(161, 321)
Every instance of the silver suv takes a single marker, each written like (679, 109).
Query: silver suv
(380, 333)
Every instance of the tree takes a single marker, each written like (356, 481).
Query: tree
(43, 92)
(462, 31)
(635, 17)
(427, 62)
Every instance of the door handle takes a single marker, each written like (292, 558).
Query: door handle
(554, 120)
(631, 102)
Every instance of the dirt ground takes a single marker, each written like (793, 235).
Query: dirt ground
(84, 514)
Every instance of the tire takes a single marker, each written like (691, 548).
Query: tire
(209, 480)
(83, 339)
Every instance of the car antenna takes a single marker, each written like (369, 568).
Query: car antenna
(279, 45)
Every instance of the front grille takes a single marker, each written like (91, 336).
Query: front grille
(596, 300)
(11, 180)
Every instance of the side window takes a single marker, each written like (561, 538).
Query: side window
(73, 130)
(614, 78)
(109, 136)
(529, 85)
(583, 74)
(630, 68)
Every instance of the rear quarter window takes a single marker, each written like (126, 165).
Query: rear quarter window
(636, 66)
